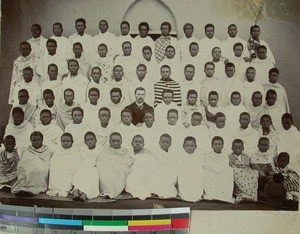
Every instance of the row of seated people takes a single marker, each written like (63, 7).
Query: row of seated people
(88, 172)
(210, 95)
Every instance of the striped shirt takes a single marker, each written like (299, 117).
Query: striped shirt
(161, 85)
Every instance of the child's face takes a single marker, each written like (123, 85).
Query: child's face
(220, 122)
(126, 49)
(209, 32)
(66, 142)
(51, 48)
(143, 30)
(165, 72)
(115, 141)
(90, 141)
(73, 67)
(36, 142)
(172, 118)
(273, 77)
(27, 75)
(229, 71)
(53, 72)
(271, 99)
(103, 26)
(265, 122)
(261, 53)
(282, 162)
(188, 31)
(167, 98)
(137, 144)
(45, 118)
(194, 50)
(9, 145)
(57, 30)
(18, 118)
(148, 119)
(35, 32)
(69, 97)
(286, 123)
(189, 146)
(165, 30)
(165, 143)
(196, 120)
(96, 74)
(250, 74)
(25, 50)
(216, 53)
(23, 98)
(147, 54)
(263, 145)
(126, 118)
(77, 50)
(213, 100)
(244, 121)
(237, 148)
(118, 73)
(209, 70)
(235, 99)
(115, 97)
(257, 99)
(238, 50)
(170, 53)
(141, 72)
(104, 116)
(189, 73)
(93, 96)
(49, 99)
(232, 31)
(192, 99)
(102, 51)
(217, 146)
(124, 29)
(77, 117)
(80, 27)
(255, 32)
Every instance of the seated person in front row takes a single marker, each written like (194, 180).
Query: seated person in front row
(218, 175)
(162, 182)
(291, 178)
(86, 177)
(190, 172)
(9, 159)
(50, 130)
(245, 178)
(63, 166)
(263, 162)
(144, 166)
(33, 167)
(113, 167)
(19, 128)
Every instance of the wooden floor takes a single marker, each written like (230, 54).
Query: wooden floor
(126, 202)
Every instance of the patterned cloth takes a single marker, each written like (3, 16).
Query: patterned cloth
(245, 179)
(8, 167)
(291, 179)
(160, 46)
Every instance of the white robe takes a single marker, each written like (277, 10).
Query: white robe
(110, 40)
(190, 176)
(86, 177)
(227, 46)
(34, 91)
(250, 88)
(226, 134)
(232, 114)
(38, 46)
(78, 131)
(230, 85)
(21, 133)
(140, 42)
(202, 136)
(129, 64)
(62, 45)
(176, 68)
(262, 68)
(78, 84)
(127, 133)
(184, 45)
(63, 166)
(209, 84)
(240, 67)
(206, 45)
(151, 135)
(143, 166)
(161, 112)
(250, 138)
(102, 134)
(218, 177)
(87, 42)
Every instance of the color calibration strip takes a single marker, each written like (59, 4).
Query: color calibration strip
(97, 220)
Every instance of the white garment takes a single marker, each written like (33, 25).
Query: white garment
(62, 45)
(110, 40)
(230, 85)
(262, 68)
(78, 131)
(226, 134)
(202, 135)
(34, 91)
(140, 42)
(250, 88)
(240, 67)
(206, 45)
(38, 46)
(176, 68)
(102, 134)
(129, 64)
(87, 42)
(184, 45)
(209, 84)
(227, 46)
(161, 112)
(250, 138)
(232, 114)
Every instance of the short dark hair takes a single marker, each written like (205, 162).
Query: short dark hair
(209, 25)
(16, 110)
(287, 116)
(191, 91)
(115, 134)
(94, 89)
(274, 69)
(238, 44)
(67, 134)
(189, 138)
(166, 23)
(36, 133)
(144, 24)
(25, 43)
(50, 40)
(81, 20)
(172, 111)
(125, 22)
(116, 89)
(217, 138)
(104, 109)
(77, 108)
(237, 141)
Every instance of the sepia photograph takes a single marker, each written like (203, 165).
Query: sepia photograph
(142, 104)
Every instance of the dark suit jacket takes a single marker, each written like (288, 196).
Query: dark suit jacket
(137, 113)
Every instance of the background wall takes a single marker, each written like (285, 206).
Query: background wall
(278, 19)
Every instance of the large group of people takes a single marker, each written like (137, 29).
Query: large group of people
(99, 115)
